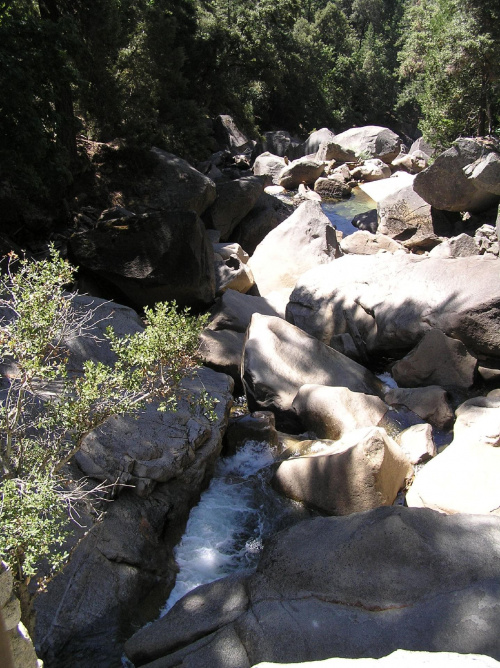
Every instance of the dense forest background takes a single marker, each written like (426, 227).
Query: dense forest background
(156, 72)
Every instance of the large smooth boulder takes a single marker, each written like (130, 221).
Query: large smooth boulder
(268, 164)
(234, 200)
(364, 470)
(267, 214)
(430, 403)
(405, 217)
(331, 412)
(315, 139)
(145, 259)
(171, 184)
(361, 585)
(229, 135)
(312, 144)
(371, 170)
(234, 310)
(304, 170)
(301, 242)
(417, 443)
(464, 477)
(445, 184)
(367, 243)
(436, 360)
(333, 187)
(485, 173)
(371, 141)
(279, 358)
(392, 300)
(478, 419)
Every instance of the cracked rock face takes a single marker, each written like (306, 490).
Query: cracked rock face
(362, 585)
(122, 571)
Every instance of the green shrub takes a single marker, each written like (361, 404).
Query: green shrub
(46, 412)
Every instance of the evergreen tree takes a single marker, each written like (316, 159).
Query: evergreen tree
(449, 66)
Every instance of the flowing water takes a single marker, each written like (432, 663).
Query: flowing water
(225, 531)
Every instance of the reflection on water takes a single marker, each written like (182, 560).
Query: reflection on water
(341, 213)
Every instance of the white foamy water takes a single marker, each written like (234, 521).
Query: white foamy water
(388, 380)
(224, 531)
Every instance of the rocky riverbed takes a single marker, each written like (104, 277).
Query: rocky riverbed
(303, 321)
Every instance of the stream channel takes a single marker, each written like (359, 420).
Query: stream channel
(226, 530)
(239, 510)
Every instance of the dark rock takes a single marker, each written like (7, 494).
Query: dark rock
(171, 183)
(146, 259)
(234, 311)
(366, 221)
(235, 200)
(332, 188)
(228, 135)
(222, 350)
(258, 426)
(267, 214)
(304, 170)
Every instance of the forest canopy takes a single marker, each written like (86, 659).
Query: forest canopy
(156, 71)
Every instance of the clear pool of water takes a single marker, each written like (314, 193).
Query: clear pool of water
(341, 213)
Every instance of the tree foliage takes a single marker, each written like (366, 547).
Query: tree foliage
(46, 411)
(154, 71)
(449, 66)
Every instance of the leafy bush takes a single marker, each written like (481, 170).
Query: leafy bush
(47, 411)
